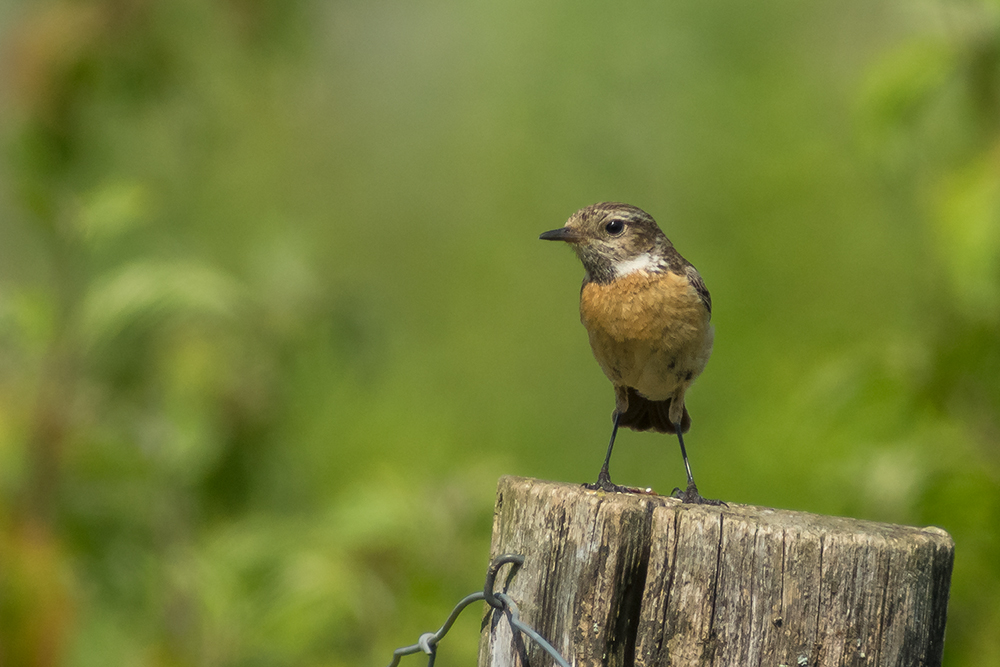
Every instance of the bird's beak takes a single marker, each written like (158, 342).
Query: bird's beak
(562, 234)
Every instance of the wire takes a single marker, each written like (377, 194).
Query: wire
(500, 602)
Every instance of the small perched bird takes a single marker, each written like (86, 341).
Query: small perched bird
(647, 312)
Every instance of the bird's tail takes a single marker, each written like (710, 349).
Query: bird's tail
(646, 415)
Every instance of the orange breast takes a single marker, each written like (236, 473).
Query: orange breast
(649, 331)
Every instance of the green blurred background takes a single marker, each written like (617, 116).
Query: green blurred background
(274, 317)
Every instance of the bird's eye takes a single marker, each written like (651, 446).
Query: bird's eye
(615, 227)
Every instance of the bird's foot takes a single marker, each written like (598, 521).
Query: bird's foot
(604, 484)
(692, 496)
(617, 488)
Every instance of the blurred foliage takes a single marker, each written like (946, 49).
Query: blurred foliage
(273, 318)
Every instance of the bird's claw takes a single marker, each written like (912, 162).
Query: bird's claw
(692, 496)
(604, 484)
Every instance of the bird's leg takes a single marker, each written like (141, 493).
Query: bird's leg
(687, 464)
(691, 495)
(604, 477)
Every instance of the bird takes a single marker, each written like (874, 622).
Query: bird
(648, 315)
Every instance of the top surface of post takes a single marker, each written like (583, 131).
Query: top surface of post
(564, 492)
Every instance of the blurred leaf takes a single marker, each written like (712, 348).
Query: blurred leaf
(968, 235)
(113, 209)
(899, 88)
(147, 294)
(28, 320)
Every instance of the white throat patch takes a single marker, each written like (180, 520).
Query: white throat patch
(644, 262)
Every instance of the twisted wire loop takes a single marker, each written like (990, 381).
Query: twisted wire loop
(493, 571)
(499, 602)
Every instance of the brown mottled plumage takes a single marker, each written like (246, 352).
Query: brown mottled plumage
(647, 312)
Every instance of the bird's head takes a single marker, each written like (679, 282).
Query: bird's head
(613, 240)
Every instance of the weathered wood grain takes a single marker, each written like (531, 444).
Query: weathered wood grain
(628, 579)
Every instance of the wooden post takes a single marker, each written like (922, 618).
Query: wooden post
(630, 579)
